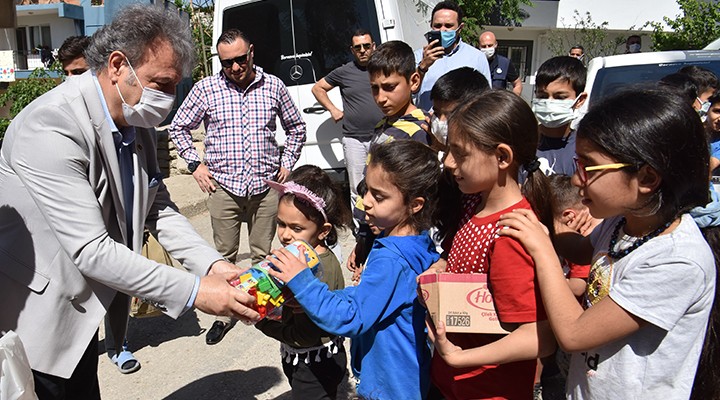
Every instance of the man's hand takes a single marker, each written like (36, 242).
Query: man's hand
(282, 175)
(217, 297)
(337, 114)
(222, 267)
(203, 177)
(431, 53)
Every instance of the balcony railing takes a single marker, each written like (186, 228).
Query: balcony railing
(29, 60)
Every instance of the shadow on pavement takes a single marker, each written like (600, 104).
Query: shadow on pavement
(157, 330)
(236, 384)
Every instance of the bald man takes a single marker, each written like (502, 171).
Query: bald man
(501, 69)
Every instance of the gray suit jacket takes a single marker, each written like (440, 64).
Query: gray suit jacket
(63, 252)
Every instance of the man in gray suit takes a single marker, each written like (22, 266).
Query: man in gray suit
(80, 181)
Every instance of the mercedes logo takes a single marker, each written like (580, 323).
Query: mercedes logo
(296, 72)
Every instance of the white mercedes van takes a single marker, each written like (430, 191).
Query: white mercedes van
(301, 41)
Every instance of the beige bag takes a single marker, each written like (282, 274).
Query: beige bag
(153, 250)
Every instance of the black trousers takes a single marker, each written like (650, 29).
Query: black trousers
(83, 384)
(316, 380)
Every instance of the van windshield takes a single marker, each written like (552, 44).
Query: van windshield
(610, 80)
(301, 41)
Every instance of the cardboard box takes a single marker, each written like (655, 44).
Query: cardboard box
(462, 301)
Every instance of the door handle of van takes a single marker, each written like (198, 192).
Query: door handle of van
(314, 110)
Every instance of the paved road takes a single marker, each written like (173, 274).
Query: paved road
(177, 364)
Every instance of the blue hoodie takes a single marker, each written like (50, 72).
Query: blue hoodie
(382, 315)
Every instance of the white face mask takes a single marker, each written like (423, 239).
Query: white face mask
(704, 108)
(152, 109)
(553, 113)
(489, 52)
(439, 128)
(634, 48)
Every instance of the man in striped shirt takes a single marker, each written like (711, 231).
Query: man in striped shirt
(239, 106)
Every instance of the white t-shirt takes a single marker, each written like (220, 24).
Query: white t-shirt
(668, 282)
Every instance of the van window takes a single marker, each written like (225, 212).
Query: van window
(610, 80)
(321, 40)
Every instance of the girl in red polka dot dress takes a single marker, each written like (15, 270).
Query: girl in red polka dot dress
(492, 141)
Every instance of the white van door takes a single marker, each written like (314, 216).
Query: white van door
(301, 41)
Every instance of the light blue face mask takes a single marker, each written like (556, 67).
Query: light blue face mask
(447, 38)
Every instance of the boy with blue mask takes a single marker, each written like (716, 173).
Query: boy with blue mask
(447, 53)
(559, 93)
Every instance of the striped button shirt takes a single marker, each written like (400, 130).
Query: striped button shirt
(240, 125)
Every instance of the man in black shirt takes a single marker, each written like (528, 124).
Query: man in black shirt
(360, 114)
(501, 69)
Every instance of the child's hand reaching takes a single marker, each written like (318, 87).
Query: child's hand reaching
(583, 223)
(523, 226)
(287, 265)
(447, 350)
(356, 275)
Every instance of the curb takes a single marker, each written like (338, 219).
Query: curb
(184, 191)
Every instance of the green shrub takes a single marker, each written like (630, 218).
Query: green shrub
(23, 91)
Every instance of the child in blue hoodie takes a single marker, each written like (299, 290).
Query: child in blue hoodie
(382, 314)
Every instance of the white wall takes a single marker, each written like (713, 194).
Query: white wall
(60, 28)
(620, 14)
(543, 14)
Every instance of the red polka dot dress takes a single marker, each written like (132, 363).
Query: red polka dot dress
(477, 248)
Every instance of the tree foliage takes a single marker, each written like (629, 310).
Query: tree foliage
(23, 91)
(201, 26)
(479, 13)
(694, 29)
(583, 31)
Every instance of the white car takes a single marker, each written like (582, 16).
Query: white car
(607, 75)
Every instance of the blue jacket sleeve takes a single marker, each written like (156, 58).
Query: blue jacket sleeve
(386, 288)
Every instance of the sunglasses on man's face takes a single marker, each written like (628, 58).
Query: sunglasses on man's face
(365, 46)
(240, 60)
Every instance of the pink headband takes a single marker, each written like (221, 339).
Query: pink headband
(300, 192)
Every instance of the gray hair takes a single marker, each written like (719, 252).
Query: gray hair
(133, 29)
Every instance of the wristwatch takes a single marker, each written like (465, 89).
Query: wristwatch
(193, 165)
